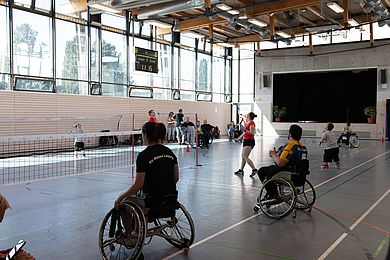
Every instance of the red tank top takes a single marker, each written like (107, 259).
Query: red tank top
(248, 128)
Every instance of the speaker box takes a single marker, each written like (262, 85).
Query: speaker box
(267, 80)
(383, 76)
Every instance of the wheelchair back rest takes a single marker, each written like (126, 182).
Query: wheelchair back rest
(302, 167)
(161, 207)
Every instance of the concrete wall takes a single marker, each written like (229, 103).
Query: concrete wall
(325, 58)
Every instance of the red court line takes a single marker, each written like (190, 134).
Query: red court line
(337, 213)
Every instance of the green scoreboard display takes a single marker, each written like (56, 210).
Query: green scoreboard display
(146, 60)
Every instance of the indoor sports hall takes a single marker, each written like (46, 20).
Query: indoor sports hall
(194, 129)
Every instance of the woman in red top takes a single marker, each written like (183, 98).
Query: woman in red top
(249, 143)
(152, 116)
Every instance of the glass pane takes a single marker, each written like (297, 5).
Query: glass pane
(4, 82)
(218, 98)
(351, 35)
(71, 87)
(187, 95)
(159, 93)
(35, 85)
(114, 90)
(245, 98)
(114, 21)
(267, 45)
(176, 68)
(72, 51)
(297, 42)
(205, 97)
(187, 41)
(95, 55)
(365, 29)
(204, 72)
(70, 8)
(163, 78)
(25, 3)
(138, 78)
(247, 64)
(32, 44)
(187, 69)
(319, 39)
(235, 74)
(141, 92)
(228, 74)
(114, 57)
(43, 5)
(218, 75)
(381, 32)
(4, 40)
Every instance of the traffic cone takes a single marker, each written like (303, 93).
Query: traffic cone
(188, 148)
(382, 139)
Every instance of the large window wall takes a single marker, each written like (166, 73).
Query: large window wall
(60, 51)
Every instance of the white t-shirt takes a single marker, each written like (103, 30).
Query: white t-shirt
(329, 139)
(78, 136)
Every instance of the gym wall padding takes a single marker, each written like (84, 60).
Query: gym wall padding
(329, 96)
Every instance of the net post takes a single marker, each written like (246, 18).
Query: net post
(132, 147)
(197, 142)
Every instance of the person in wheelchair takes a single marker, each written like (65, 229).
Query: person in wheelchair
(286, 158)
(346, 132)
(157, 171)
(206, 133)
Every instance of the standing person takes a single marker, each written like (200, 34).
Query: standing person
(78, 139)
(179, 117)
(171, 127)
(152, 116)
(331, 152)
(249, 143)
(190, 131)
(207, 132)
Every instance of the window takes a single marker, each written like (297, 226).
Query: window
(71, 87)
(381, 32)
(114, 21)
(25, 3)
(144, 92)
(351, 35)
(218, 77)
(43, 5)
(160, 93)
(114, 58)
(296, 42)
(319, 39)
(34, 84)
(176, 68)
(114, 90)
(95, 55)
(228, 74)
(4, 82)
(4, 41)
(204, 72)
(267, 45)
(187, 70)
(187, 95)
(67, 7)
(163, 78)
(247, 63)
(32, 44)
(235, 74)
(72, 51)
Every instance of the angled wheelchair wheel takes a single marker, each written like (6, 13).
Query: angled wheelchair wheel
(280, 202)
(306, 196)
(180, 232)
(122, 233)
(354, 141)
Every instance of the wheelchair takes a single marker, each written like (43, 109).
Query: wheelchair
(125, 231)
(291, 191)
(201, 142)
(353, 140)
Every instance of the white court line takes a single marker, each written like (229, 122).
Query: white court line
(351, 228)
(247, 219)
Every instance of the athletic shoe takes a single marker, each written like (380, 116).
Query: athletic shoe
(338, 165)
(324, 166)
(239, 172)
(254, 172)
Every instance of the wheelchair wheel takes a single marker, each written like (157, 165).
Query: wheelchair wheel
(354, 141)
(279, 204)
(306, 196)
(183, 230)
(115, 242)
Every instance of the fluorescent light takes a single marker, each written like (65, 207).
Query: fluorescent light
(257, 22)
(335, 7)
(242, 15)
(224, 7)
(234, 12)
(193, 34)
(353, 22)
(160, 24)
(104, 8)
(283, 34)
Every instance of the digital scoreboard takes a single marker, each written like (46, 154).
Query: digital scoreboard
(146, 60)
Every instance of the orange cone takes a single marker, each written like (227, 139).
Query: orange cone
(188, 148)
(382, 139)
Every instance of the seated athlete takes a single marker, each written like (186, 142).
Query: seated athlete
(287, 156)
(346, 131)
(157, 168)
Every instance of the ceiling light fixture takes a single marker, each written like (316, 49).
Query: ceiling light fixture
(193, 34)
(257, 22)
(335, 7)
(353, 22)
(242, 15)
(104, 8)
(234, 12)
(223, 7)
(283, 34)
(159, 24)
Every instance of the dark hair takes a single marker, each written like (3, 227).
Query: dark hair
(180, 110)
(171, 114)
(295, 132)
(330, 126)
(252, 115)
(150, 111)
(154, 132)
(348, 123)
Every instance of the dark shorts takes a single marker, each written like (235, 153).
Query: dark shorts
(79, 146)
(249, 142)
(331, 155)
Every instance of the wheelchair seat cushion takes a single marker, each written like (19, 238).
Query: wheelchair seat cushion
(161, 207)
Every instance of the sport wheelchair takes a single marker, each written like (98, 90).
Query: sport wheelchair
(290, 191)
(351, 141)
(123, 231)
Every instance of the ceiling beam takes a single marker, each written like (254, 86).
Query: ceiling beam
(304, 20)
(272, 25)
(346, 12)
(388, 3)
(256, 37)
(316, 12)
(227, 31)
(260, 9)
